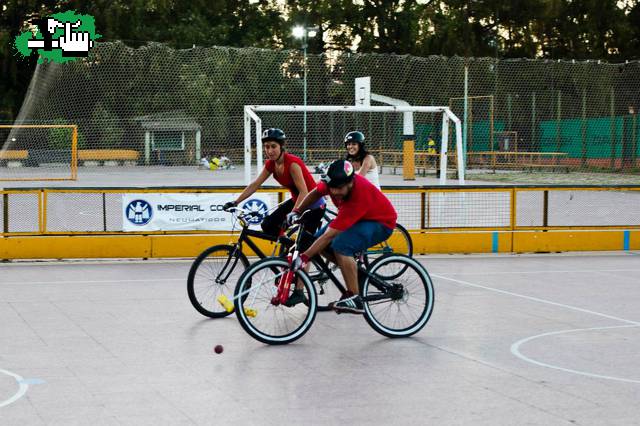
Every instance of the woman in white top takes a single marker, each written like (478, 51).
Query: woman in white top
(362, 161)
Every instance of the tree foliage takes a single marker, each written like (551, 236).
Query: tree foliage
(556, 29)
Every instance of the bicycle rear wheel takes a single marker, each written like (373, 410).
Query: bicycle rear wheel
(215, 272)
(398, 307)
(268, 323)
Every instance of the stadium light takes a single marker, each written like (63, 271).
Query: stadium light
(303, 33)
(298, 32)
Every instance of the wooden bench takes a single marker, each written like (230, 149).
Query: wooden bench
(14, 157)
(108, 156)
(423, 161)
(517, 160)
(14, 154)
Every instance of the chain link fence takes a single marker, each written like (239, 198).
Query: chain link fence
(155, 105)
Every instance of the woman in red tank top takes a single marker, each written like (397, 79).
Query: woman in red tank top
(291, 172)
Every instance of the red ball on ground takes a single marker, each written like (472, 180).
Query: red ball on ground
(218, 349)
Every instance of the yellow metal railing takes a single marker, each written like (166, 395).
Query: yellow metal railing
(433, 209)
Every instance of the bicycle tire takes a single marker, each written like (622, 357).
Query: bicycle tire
(206, 305)
(375, 311)
(246, 299)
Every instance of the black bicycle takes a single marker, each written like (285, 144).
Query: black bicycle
(394, 307)
(399, 242)
(215, 272)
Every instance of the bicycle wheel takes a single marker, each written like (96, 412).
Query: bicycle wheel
(215, 272)
(402, 306)
(268, 323)
(399, 242)
(326, 290)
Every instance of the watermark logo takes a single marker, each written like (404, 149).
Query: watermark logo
(62, 37)
(139, 212)
(256, 206)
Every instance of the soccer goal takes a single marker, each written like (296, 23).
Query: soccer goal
(316, 132)
(38, 152)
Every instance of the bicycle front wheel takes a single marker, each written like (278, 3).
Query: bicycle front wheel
(398, 307)
(264, 321)
(215, 272)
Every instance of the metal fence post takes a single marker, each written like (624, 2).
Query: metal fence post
(5, 213)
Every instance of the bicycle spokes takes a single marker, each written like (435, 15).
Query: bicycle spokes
(401, 306)
(261, 289)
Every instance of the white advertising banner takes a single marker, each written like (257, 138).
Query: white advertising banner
(185, 212)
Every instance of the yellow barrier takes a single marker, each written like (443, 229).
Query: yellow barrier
(189, 246)
(431, 233)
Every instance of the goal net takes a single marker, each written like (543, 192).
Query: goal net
(38, 152)
(316, 133)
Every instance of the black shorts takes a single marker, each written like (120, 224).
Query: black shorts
(273, 224)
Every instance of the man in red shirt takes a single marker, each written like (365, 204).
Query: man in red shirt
(365, 218)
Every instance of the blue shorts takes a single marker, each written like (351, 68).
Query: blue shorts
(359, 237)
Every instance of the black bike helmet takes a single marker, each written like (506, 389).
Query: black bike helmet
(273, 134)
(339, 173)
(357, 137)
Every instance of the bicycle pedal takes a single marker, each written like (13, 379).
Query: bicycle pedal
(250, 312)
(225, 302)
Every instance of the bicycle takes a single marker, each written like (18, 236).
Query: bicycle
(220, 265)
(263, 289)
(403, 244)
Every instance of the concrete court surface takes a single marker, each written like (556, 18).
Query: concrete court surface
(159, 176)
(545, 339)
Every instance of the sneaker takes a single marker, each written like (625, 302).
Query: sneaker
(296, 297)
(352, 305)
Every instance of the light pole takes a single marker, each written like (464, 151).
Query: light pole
(303, 33)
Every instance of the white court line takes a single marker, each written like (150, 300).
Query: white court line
(515, 347)
(515, 350)
(148, 280)
(557, 271)
(537, 299)
(21, 391)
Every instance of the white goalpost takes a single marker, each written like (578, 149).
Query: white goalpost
(254, 118)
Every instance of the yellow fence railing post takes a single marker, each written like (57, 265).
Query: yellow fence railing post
(5, 213)
(42, 210)
(514, 194)
(423, 210)
(74, 153)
